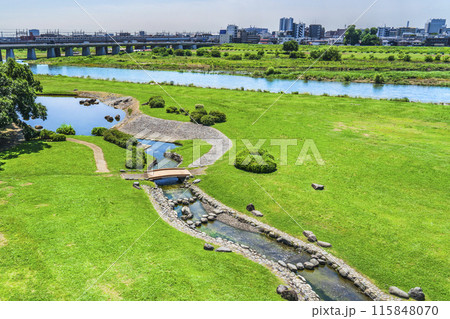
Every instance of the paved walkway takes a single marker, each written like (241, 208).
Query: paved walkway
(102, 166)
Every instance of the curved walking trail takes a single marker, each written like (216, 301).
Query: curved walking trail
(102, 166)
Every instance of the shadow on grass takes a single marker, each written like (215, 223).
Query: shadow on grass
(21, 149)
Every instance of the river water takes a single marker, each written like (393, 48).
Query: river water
(388, 91)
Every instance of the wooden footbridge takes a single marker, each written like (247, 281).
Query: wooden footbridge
(167, 173)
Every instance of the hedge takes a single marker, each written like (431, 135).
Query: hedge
(255, 161)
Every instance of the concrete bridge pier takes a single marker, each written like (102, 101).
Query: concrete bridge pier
(10, 54)
(100, 51)
(86, 51)
(115, 50)
(130, 49)
(51, 53)
(31, 54)
(58, 52)
(69, 51)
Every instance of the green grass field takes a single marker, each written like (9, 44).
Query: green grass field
(62, 226)
(359, 64)
(386, 168)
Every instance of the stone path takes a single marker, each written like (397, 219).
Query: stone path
(102, 166)
(148, 127)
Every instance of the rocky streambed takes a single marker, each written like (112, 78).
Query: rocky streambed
(306, 268)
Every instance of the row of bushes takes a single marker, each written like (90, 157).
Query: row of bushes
(255, 161)
(51, 136)
(136, 158)
(201, 116)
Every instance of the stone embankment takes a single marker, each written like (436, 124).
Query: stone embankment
(165, 210)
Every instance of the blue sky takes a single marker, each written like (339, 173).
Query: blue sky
(212, 15)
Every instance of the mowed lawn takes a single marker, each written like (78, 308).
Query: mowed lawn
(386, 203)
(62, 226)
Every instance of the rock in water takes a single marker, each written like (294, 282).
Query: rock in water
(308, 265)
(282, 263)
(318, 187)
(208, 247)
(292, 267)
(257, 213)
(417, 294)
(300, 266)
(323, 244)
(223, 250)
(290, 295)
(117, 117)
(398, 292)
(250, 207)
(281, 288)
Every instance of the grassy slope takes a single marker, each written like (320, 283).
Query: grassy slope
(385, 204)
(358, 63)
(64, 225)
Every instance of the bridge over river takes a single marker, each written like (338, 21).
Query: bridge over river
(156, 174)
(101, 48)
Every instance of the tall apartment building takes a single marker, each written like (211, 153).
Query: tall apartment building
(299, 30)
(286, 24)
(316, 31)
(232, 30)
(435, 26)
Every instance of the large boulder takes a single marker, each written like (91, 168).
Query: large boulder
(282, 263)
(398, 292)
(300, 266)
(208, 247)
(292, 267)
(310, 235)
(308, 265)
(250, 207)
(317, 187)
(314, 262)
(281, 288)
(417, 294)
(323, 244)
(223, 250)
(290, 295)
(257, 213)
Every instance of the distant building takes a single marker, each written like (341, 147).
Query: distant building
(34, 32)
(232, 30)
(406, 30)
(316, 31)
(299, 30)
(335, 33)
(435, 26)
(224, 37)
(244, 36)
(287, 24)
(261, 31)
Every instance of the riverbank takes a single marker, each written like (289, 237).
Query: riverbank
(359, 65)
(384, 164)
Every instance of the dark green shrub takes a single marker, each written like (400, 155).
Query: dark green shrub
(437, 57)
(98, 131)
(428, 58)
(199, 107)
(156, 102)
(290, 46)
(255, 161)
(215, 54)
(220, 116)
(201, 52)
(407, 58)
(196, 117)
(378, 79)
(208, 120)
(66, 130)
(172, 109)
(188, 53)
(254, 56)
(330, 54)
(179, 52)
(235, 57)
(46, 134)
(58, 138)
(119, 138)
(391, 58)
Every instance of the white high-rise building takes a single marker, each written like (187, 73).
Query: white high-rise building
(299, 30)
(232, 30)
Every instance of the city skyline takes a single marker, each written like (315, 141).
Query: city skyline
(194, 15)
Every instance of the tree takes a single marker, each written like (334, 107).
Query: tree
(352, 35)
(369, 37)
(290, 46)
(330, 54)
(18, 90)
